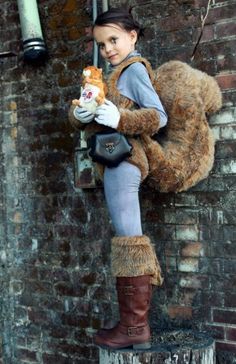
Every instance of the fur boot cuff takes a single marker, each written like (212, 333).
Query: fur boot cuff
(133, 256)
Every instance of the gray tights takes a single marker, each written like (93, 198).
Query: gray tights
(121, 186)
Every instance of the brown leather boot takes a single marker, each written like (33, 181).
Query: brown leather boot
(134, 295)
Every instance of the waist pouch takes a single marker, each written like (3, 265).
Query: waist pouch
(109, 148)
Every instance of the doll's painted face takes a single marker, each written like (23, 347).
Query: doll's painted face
(115, 43)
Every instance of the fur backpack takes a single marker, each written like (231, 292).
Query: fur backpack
(183, 153)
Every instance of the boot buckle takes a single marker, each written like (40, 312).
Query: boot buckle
(132, 331)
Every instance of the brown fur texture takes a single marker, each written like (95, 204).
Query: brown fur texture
(133, 256)
(184, 154)
(139, 121)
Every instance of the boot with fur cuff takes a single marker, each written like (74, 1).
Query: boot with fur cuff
(134, 296)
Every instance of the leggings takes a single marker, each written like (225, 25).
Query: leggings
(121, 186)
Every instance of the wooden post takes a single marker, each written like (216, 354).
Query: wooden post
(177, 347)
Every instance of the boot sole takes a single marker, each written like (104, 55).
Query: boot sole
(142, 346)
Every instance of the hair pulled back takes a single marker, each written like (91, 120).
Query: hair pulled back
(121, 17)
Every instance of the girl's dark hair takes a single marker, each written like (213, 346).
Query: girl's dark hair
(121, 17)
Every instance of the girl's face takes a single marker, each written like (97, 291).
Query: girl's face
(115, 43)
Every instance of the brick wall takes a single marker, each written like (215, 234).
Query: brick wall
(196, 230)
(54, 248)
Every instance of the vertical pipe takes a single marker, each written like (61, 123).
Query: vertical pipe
(104, 5)
(95, 47)
(33, 42)
(95, 13)
(105, 8)
(84, 171)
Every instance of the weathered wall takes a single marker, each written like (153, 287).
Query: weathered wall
(54, 248)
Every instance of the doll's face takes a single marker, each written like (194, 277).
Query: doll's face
(115, 43)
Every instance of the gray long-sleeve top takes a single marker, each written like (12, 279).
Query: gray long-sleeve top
(135, 84)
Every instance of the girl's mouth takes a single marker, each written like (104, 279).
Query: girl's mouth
(112, 56)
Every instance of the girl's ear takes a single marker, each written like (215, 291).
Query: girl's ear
(133, 36)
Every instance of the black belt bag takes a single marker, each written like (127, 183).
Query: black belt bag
(109, 148)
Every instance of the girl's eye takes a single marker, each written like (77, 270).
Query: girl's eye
(102, 45)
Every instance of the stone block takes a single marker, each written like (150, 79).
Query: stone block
(199, 349)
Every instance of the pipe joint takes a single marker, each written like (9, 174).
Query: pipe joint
(33, 42)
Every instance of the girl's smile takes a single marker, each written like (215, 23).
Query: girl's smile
(114, 42)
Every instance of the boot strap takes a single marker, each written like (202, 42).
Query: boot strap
(131, 330)
(132, 290)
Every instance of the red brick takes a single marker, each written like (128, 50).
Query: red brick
(199, 3)
(57, 358)
(208, 33)
(180, 312)
(224, 316)
(39, 317)
(224, 29)
(217, 332)
(78, 321)
(178, 22)
(191, 250)
(25, 354)
(230, 299)
(202, 312)
(226, 81)
(212, 298)
(223, 346)
(231, 333)
(227, 11)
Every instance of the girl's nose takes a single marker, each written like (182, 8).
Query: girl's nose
(108, 48)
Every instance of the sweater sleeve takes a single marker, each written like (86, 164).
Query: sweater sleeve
(135, 84)
(141, 121)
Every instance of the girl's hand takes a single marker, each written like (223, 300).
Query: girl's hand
(108, 114)
(83, 115)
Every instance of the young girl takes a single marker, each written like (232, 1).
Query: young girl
(133, 108)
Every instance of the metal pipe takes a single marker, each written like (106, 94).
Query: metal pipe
(95, 47)
(95, 13)
(84, 169)
(105, 8)
(104, 5)
(33, 42)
